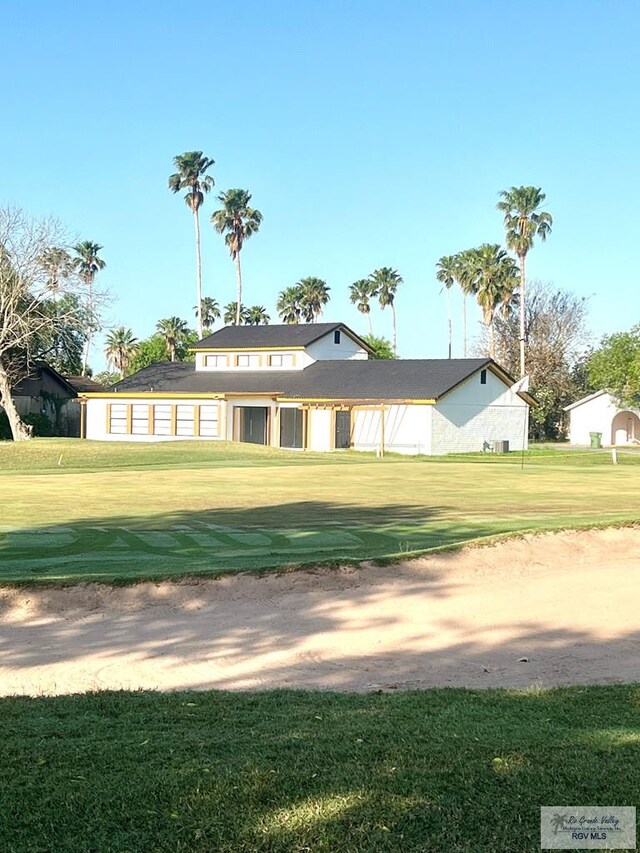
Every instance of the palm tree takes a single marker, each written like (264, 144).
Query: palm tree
(210, 311)
(231, 314)
(360, 292)
(174, 331)
(466, 276)
(497, 279)
(523, 220)
(313, 296)
(88, 265)
(120, 349)
(237, 221)
(257, 316)
(385, 282)
(288, 305)
(447, 270)
(191, 175)
(57, 264)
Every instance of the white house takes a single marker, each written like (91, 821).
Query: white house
(601, 413)
(312, 387)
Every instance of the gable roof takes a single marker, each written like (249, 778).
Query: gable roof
(353, 379)
(583, 400)
(34, 376)
(280, 335)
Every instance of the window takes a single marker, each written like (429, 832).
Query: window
(291, 427)
(209, 420)
(162, 419)
(118, 419)
(284, 359)
(248, 361)
(184, 420)
(336, 336)
(215, 361)
(140, 419)
(483, 377)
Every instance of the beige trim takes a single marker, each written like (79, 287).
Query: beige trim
(222, 413)
(277, 428)
(174, 420)
(129, 416)
(332, 430)
(151, 417)
(108, 427)
(196, 420)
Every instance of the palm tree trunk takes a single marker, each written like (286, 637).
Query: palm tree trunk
(393, 314)
(196, 219)
(448, 296)
(370, 323)
(239, 295)
(522, 314)
(464, 321)
(18, 430)
(87, 346)
(492, 342)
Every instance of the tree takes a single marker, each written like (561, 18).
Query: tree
(385, 282)
(381, 347)
(62, 343)
(556, 328)
(360, 293)
(88, 264)
(237, 221)
(191, 174)
(467, 280)
(210, 311)
(257, 316)
(615, 366)
(447, 270)
(496, 279)
(106, 378)
(288, 305)
(120, 349)
(231, 313)
(313, 295)
(58, 266)
(26, 317)
(174, 331)
(523, 221)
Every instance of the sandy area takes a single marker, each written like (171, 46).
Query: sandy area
(569, 604)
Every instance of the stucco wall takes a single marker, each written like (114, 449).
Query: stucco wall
(472, 416)
(320, 429)
(594, 415)
(325, 349)
(407, 429)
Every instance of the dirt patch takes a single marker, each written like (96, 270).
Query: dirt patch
(539, 610)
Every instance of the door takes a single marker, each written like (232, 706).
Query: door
(253, 424)
(291, 427)
(343, 429)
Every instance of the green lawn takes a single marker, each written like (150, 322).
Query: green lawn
(442, 770)
(76, 510)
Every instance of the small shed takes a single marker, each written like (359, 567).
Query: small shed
(601, 413)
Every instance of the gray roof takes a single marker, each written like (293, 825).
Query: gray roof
(355, 379)
(283, 335)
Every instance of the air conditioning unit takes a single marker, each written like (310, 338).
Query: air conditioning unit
(500, 446)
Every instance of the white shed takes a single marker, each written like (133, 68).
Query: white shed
(600, 412)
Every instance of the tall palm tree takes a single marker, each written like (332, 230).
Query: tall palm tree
(174, 331)
(360, 294)
(385, 282)
(210, 311)
(447, 270)
(88, 264)
(467, 278)
(257, 316)
(288, 305)
(497, 280)
(57, 264)
(191, 174)
(523, 220)
(120, 349)
(313, 296)
(231, 314)
(237, 221)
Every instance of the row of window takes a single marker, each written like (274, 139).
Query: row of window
(280, 359)
(163, 419)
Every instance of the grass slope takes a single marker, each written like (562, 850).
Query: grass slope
(443, 770)
(82, 510)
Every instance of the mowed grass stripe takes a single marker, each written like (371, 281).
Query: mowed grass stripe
(385, 508)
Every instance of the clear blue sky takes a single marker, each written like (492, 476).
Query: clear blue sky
(369, 133)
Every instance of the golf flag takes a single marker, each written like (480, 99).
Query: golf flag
(521, 385)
